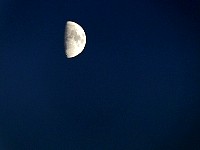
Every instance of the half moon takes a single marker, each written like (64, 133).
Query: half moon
(75, 39)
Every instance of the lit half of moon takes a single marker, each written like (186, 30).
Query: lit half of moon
(75, 39)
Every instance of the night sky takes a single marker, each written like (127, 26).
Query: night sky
(136, 85)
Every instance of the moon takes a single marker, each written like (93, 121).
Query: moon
(75, 39)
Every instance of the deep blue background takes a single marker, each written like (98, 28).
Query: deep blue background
(134, 87)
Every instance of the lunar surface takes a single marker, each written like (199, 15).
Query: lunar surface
(75, 39)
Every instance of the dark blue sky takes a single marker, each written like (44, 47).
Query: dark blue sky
(135, 86)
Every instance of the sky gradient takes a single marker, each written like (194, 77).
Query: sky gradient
(134, 87)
